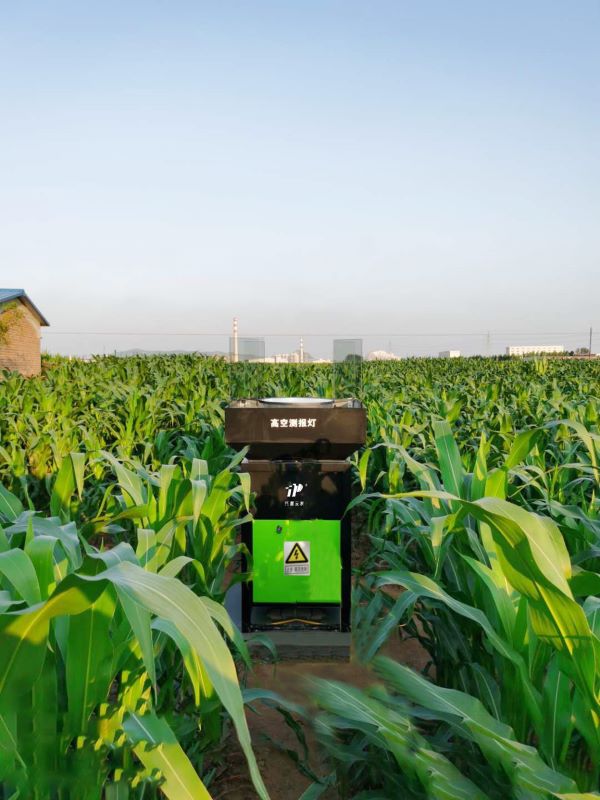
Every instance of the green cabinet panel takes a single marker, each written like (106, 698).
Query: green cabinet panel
(317, 553)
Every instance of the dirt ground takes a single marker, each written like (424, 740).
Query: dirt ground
(291, 679)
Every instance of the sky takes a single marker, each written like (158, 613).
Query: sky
(415, 173)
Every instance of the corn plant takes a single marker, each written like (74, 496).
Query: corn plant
(479, 493)
(508, 620)
(82, 634)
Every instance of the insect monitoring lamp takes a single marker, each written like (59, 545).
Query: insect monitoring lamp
(300, 537)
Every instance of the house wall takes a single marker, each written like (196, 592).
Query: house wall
(22, 350)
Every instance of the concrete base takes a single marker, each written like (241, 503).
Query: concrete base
(306, 645)
(233, 604)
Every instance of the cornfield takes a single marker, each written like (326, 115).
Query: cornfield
(477, 494)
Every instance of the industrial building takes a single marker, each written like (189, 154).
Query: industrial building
(534, 349)
(381, 355)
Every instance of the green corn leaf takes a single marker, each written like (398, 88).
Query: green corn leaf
(496, 482)
(244, 479)
(146, 545)
(199, 492)
(363, 465)
(480, 472)
(42, 711)
(590, 440)
(220, 615)
(584, 583)
(140, 619)
(585, 720)
(10, 506)
(453, 474)
(534, 559)
(156, 547)
(200, 684)
(89, 658)
(422, 586)
(116, 791)
(68, 479)
(171, 600)
(199, 469)
(129, 482)
(18, 569)
(154, 743)
(165, 477)
(500, 597)
(488, 690)
(395, 734)
(29, 523)
(24, 635)
(522, 445)
(46, 554)
(469, 717)
(11, 761)
(215, 503)
(173, 567)
(558, 710)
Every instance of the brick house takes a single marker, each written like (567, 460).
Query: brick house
(21, 351)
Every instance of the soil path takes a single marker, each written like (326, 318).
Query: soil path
(291, 679)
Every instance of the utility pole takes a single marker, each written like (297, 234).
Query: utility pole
(235, 354)
(590, 349)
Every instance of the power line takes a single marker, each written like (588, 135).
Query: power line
(482, 334)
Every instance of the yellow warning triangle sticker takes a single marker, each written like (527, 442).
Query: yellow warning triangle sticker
(296, 555)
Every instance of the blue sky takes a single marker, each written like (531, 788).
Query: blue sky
(317, 167)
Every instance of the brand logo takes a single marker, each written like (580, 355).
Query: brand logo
(294, 489)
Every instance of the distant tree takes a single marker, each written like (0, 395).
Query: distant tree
(10, 315)
(582, 351)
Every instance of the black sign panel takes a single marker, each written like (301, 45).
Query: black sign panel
(299, 489)
(296, 432)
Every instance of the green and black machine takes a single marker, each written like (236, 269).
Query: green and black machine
(300, 535)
